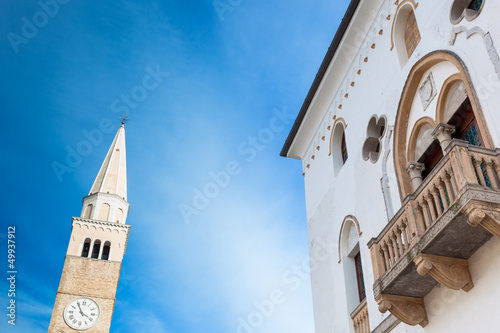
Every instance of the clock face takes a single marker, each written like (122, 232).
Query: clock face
(81, 313)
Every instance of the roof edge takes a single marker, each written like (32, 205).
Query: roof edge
(332, 50)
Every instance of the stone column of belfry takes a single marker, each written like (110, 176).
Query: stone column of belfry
(86, 295)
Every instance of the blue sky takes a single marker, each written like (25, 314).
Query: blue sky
(228, 85)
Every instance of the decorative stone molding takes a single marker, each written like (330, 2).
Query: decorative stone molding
(490, 220)
(443, 133)
(487, 40)
(415, 170)
(427, 91)
(410, 310)
(451, 272)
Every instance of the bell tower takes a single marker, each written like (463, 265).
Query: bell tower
(86, 295)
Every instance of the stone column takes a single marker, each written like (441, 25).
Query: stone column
(415, 169)
(443, 133)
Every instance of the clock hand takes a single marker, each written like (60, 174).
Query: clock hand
(81, 312)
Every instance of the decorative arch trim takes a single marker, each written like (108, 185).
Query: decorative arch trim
(413, 4)
(337, 120)
(349, 218)
(412, 143)
(443, 95)
(407, 95)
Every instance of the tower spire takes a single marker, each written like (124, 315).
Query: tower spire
(112, 177)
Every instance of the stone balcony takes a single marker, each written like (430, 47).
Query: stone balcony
(449, 217)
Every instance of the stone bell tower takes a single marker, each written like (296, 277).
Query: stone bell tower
(98, 241)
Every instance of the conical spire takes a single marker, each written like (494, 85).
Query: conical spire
(112, 177)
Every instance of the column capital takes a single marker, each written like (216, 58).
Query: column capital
(443, 133)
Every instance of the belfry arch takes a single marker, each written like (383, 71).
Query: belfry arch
(401, 145)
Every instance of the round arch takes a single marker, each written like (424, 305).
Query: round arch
(407, 96)
(422, 123)
(354, 220)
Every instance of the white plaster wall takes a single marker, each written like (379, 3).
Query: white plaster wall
(356, 190)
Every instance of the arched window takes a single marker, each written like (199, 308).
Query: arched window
(95, 249)
(88, 211)
(86, 248)
(105, 251)
(339, 148)
(405, 32)
(104, 212)
(352, 264)
(412, 34)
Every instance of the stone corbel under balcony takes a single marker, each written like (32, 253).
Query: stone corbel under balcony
(450, 272)
(410, 310)
(482, 214)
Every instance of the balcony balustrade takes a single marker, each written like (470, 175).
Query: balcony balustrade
(360, 318)
(436, 230)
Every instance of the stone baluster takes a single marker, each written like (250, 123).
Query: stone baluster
(497, 169)
(440, 186)
(477, 165)
(404, 231)
(392, 255)
(402, 247)
(387, 258)
(454, 184)
(430, 203)
(449, 188)
(491, 174)
(425, 212)
(437, 203)
(397, 247)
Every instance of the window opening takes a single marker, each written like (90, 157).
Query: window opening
(95, 250)
(360, 278)
(431, 157)
(86, 248)
(345, 155)
(105, 252)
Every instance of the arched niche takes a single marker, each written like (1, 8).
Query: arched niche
(405, 34)
(404, 109)
(420, 138)
(88, 211)
(119, 215)
(104, 212)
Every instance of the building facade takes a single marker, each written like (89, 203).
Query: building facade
(86, 295)
(399, 142)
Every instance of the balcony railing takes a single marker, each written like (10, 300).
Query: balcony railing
(463, 165)
(360, 318)
(436, 224)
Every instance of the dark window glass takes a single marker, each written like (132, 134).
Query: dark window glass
(86, 249)
(344, 149)
(359, 275)
(431, 157)
(466, 125)
(95, 251)
(475, 5)
(105, 252)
